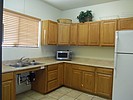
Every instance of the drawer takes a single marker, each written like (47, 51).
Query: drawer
(84, 68)
(53, 67)
(52, 75)
(52, 85)
(7, 76)
(104, 70)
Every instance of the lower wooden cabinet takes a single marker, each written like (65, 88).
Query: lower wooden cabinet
(61, 74)
(8, 87)
(83, 78)
(76, 78)
(49, 78)
(103, 82)
(88, 81)
(40, 84)
(67, 74)
(52, 76)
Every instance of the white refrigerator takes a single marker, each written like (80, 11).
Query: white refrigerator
(123, 66)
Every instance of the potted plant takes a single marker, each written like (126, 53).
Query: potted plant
(85, 16)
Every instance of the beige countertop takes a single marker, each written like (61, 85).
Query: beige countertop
(48, 61)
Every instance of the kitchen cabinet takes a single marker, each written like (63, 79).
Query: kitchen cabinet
(107, 35)
(67, 74)
(73, 34)
(61, 74)
(125, 23)
(83, 34)
(83, 78)
(76, 78)
(52, 76)
(104, 80)
(94, 33)
(8, 86)
(40, 84)
(49, 32)
(63, 34)
(49, 78)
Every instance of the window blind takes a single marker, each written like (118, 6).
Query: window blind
(20, 30)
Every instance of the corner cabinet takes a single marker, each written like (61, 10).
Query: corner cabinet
(83, 34)
(94, 33)
(104, 81)
(125, 24)
(63, 34)
(67, 74)
(108, 28)
(8, 86)
(49, 33)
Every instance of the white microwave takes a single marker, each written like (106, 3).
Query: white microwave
(64, 55)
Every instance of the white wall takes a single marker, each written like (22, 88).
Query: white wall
(35, 8)
(116, 9)
(122, 8)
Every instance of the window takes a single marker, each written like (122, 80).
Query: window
(20, 29)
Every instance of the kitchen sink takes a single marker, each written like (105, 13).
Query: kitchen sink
(17, 65)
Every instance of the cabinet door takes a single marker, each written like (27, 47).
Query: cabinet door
(104, 82)
(49, 32)
(7, 90)
(67, 74)
(41, 81)
(76, 78)
(88, 81)
(108, 28)
(52, 34)
(83, 33)
(63, 34)
(61, 74)
(94, 33)
(73, 34)
(125, 24)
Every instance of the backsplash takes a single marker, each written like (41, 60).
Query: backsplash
(105, 53)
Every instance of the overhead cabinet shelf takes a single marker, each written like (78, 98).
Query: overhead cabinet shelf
(98, 33)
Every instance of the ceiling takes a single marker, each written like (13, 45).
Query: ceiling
(71, 4)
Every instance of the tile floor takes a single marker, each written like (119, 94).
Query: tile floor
(62, 93)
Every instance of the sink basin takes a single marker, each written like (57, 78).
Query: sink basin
(25, 65)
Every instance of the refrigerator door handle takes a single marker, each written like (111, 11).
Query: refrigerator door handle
(116, 41)
(115, 65)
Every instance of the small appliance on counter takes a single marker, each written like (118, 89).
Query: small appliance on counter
(64, 55)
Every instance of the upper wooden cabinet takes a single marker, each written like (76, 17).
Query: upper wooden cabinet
(94, 33)
(83, 33)
(63, 34)
(108, 28)
(73, 34)
(125, 23)
(49, 32)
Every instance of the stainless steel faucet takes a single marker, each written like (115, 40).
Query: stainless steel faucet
(23, 60)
